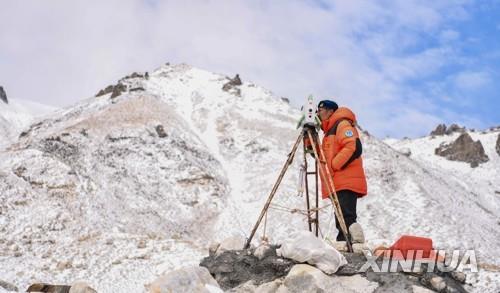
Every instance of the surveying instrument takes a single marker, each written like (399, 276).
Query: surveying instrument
(309, 124)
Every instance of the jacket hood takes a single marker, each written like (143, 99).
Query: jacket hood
(341, 113)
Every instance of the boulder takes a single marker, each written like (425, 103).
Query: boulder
(438, 283)
(231, 243)
(81, 287)
(304, 246)
(188, 279)
(3, 95)
(305, 278)
(463, 149)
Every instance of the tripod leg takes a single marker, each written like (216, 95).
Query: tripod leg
(317, 196)
(275, 188)
(325, 173)
(309, 220)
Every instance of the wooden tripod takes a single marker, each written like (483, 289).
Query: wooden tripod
(326, 176)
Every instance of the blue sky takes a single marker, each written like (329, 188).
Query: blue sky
(403, 66)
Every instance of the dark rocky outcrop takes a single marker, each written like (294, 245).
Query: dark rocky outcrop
(160, 131)
(441, 129)
(463, 149)
(286, 100)
(3, 96)
(232, 85)
(115, 90)
(234, 267)
(498, 145)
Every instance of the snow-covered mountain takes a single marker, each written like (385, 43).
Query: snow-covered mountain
(16, 115)
(141, 179)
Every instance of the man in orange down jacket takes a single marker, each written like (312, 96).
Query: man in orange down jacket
(342, 149)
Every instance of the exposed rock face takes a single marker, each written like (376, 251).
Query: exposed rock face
(3, 95)
(463, 149)
(498, 145)
(232, 268)
(115, 90)
(189, 279)
(441, 129)
(232, 85)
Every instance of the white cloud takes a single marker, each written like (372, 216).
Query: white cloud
(471, 80)
(60, 51)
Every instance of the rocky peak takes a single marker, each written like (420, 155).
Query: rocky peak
(441, 129)
(463, 149)
(3, 95)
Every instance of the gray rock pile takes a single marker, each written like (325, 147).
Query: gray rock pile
(232, 268)
(3, 95)
(463, 149)
(441, 129)
(241, 271)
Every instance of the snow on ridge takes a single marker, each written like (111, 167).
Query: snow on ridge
(102, 186)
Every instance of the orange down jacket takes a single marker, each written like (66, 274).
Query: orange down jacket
(338, 148)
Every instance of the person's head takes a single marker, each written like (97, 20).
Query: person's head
(326, 109)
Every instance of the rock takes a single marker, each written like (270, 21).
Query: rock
(231, 86)
(188, 279)
(459, 276)
(62, 265)
(81, 287)
(498, 145)
(440, 130)
(8, 286)
(340, 245)
(232, 268)
(418, 289)
(212, 249)
(269, 287)
(455, 128)
(262, 251)
(438, 283)
(286, 100)
(231, 243)
(160, 131)
(41, 287)
(305, 278)
(3, 95)
(118, 90)
(359, 247)
(464, 149)
(357, 234)
(248, 287)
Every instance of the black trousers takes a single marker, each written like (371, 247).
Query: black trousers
(347, 200)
